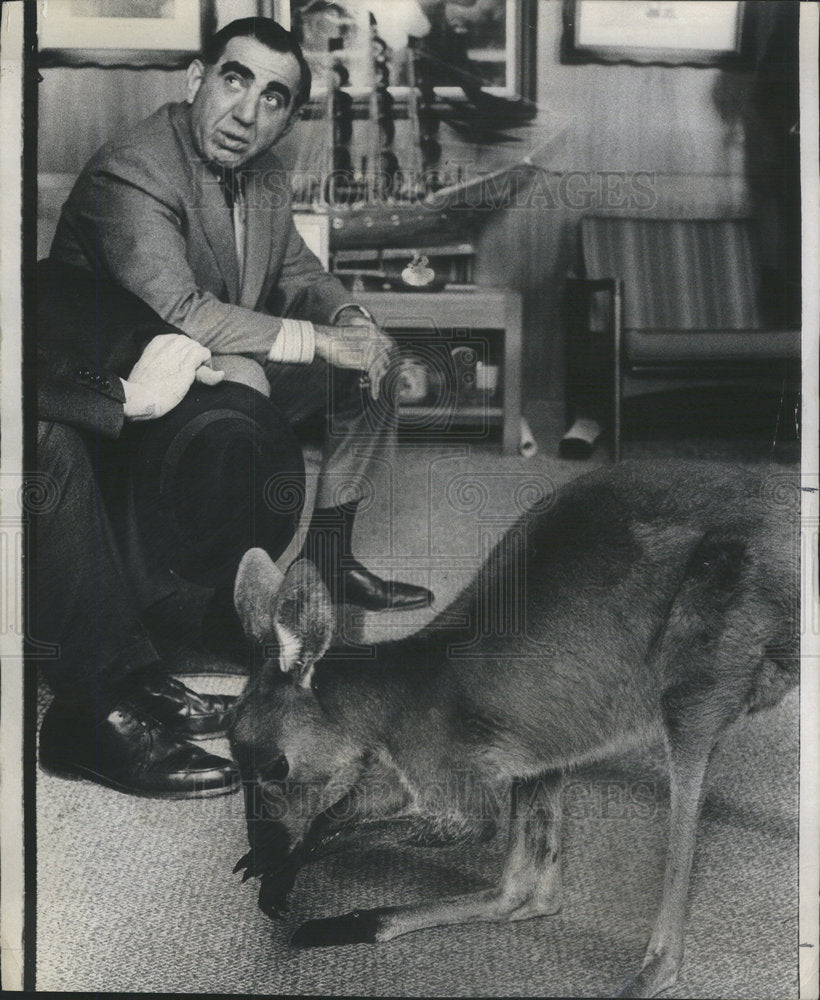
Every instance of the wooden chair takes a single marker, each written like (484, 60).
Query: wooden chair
(665, 303)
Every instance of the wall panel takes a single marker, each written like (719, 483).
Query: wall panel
(682, 126)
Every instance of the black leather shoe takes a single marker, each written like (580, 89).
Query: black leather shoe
(183, 712)
(328, 545)
(359, 586)
(129, 751)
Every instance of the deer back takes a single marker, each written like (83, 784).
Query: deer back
(640, 579)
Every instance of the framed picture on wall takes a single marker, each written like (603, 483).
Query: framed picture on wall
(229, 10)
(131, 33)
(665, 32)
(488, 44)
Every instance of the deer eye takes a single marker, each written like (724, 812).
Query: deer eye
(277, 770)
(281, 768)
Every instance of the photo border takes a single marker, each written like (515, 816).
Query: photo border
(12, 680)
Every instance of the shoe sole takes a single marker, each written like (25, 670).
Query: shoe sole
(180, 734)
(80, 773)
(422, 602)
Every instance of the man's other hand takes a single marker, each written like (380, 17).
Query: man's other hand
(159, 380)
(359, 345)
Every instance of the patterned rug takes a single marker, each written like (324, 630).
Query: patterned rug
(138, 895)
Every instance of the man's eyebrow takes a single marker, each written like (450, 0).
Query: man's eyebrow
(274, 87)
(232, 66)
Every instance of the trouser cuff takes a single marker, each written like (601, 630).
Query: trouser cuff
(101, 685)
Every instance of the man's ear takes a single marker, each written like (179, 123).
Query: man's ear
(196, 71)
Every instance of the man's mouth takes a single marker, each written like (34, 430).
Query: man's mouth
(234, 143)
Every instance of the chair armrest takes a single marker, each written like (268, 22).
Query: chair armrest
(594, 350)
(579, 292)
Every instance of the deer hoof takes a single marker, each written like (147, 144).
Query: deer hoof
(652, 980)
(358, 927)
(273, 898)
(245, 865)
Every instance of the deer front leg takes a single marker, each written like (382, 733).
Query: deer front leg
(695, 716)
(664, 953)
(530, 883)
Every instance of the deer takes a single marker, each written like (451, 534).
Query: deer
(660, 604)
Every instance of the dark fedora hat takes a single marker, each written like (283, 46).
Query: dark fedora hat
(220, 473)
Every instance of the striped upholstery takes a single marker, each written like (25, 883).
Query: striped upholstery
(678, 274)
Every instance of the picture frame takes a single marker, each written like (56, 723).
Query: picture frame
(506, 52)
(163, 34)
(658, 32)
(279, 10)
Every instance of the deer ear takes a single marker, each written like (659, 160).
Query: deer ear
(258, 581)
(303, 621)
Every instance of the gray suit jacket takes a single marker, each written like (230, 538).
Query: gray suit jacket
(149, 214)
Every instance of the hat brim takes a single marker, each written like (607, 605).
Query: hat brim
(220, 473)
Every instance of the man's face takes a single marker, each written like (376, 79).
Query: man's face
(241, 106)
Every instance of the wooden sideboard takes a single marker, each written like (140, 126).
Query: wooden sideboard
(487, 321)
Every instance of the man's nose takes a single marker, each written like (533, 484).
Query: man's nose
(245, 111)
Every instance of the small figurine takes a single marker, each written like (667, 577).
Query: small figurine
(418, 272)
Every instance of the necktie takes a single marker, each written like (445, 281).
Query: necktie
(233, 189)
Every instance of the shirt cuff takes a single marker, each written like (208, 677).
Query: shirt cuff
(295, 344)
(334, 319)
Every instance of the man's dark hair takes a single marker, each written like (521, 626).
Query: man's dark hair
(269, 33)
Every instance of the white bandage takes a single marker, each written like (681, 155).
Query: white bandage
(296, 343)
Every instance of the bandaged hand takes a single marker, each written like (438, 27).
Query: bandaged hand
(163, 375)
(358, 345)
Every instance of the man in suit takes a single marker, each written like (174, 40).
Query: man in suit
(148, 462)
(191, 212)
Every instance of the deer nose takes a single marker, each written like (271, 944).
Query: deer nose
(277, 770)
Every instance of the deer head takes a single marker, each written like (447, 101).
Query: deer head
(296, 762)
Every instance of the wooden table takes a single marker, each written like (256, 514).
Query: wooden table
(462, 311)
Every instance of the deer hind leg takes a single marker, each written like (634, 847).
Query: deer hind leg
(531, 880)
(695, 717)
(530, 883)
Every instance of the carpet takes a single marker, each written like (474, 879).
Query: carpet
(137, 895)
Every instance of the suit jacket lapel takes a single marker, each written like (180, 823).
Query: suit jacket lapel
(218, 227)
(211, 208)
(257, 240)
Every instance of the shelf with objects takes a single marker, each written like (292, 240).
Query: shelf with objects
(413, 137)
(462, 371)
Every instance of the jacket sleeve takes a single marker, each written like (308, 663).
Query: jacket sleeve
(69, 392)
(89, 334)
(304, 289)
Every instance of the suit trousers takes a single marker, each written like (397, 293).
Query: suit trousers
(178, 498)
(356, 433)
(82, 597)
